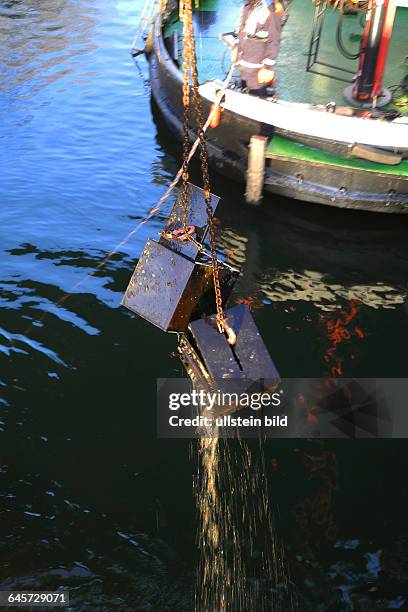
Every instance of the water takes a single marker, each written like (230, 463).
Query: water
(242, 562)
(89, 497)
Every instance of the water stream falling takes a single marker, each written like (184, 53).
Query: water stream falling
(241, 559)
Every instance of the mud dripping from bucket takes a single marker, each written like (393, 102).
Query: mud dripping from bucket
(242, 563)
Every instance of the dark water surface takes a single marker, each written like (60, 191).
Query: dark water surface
(89, 498)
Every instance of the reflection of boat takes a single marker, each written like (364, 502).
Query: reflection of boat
(326, 261)
(311, 286)
(312, 154)
(326, 291)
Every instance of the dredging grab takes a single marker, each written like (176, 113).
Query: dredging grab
(173, 288)
(181, 287)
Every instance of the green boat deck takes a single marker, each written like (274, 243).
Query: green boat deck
(280, 147)
(294, 83)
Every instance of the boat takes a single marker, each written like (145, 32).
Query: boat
(319, 144)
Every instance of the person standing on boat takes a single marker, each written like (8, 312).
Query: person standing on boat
(258, 43)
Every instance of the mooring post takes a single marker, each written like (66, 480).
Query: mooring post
(256, 169)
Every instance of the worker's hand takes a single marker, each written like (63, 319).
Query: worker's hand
(234, 55)
(265, 75)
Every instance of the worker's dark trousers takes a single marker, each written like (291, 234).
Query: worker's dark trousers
(261, 92)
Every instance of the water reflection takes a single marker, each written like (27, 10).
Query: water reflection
(320, 257)
(85, 483)
(324, 289)
(39, 41)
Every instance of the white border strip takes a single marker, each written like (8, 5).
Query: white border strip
(304, 119)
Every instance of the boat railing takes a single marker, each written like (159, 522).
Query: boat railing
(314, 63)
(149, 12)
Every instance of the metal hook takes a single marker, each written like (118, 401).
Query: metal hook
(231, 336)
(224, 328)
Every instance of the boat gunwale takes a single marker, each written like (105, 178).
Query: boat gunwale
(284, 106)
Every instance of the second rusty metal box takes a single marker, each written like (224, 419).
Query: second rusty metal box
(209, 356)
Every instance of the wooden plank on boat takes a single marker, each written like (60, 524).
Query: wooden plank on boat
(256, 169)
(379, 156)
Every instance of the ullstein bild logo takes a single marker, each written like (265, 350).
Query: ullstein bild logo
(207, 422)
(291, 408)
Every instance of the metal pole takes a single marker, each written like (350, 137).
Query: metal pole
(368, 88)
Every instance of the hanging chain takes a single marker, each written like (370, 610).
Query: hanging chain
(190, 68)
(187, 62)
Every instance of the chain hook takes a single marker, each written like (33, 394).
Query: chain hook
(226, 329)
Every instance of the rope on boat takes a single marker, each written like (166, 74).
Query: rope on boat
(150, 9)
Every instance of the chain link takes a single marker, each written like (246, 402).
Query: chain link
(190, 67)
(187, 63)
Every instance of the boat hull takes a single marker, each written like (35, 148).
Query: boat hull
(302, 179)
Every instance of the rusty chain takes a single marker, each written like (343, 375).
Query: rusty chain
(190, 70)
(187, 62)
